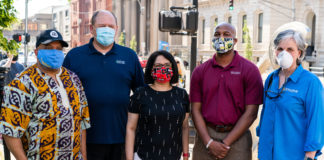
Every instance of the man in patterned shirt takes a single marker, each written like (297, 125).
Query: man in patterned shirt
(44, 113)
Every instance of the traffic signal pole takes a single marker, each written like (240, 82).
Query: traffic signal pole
(26, 30)
(193, 55)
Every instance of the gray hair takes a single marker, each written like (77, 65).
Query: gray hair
(95, 14)
(300, 42)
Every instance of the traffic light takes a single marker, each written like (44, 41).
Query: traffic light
(27, 38)
(170, 21)
(191, 21)
(17, 37)
(231, 5)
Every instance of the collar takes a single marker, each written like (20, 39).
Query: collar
(93, 50)
(295, 76)
(234, 63)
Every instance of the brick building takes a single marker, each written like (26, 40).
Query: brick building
(81, 13)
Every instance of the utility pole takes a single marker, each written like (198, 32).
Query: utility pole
(294, 10)
(193, 55)
(26, 30)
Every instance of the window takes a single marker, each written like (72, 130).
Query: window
(229, 19)
(260, 27)
(43, 27)
(54, 16)
(66, 28)
(203, 31)
(216, 22)
(66, 13)
(244, 27)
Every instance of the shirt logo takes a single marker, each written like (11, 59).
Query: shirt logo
(235, 72)
(120, 62)
(291, 90)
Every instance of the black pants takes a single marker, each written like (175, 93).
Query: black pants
(106, 151)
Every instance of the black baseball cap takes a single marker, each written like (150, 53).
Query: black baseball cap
(49, 36)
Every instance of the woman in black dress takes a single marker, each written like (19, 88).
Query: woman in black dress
(157, 127)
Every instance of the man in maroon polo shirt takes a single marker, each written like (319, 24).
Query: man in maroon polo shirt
(225, 95)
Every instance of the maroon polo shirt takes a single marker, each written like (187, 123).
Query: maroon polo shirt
(224, 92)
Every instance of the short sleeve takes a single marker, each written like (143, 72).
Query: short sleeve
(134, 105)
(253, 87)
(138, 80)
(16, 110)
(85, 115)
(186, 102)
(195, 86)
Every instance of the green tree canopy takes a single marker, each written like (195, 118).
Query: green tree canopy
(7, 17)
(133, 43)
(247, 40)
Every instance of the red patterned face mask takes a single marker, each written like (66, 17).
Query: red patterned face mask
(162, 74)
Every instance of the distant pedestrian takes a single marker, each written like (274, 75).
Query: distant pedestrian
(44, 114)
(225, 94)
(108, 72)
(292, 122)
(15, 67)
(157, 126)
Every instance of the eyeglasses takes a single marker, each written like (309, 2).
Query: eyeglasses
(274, 95)
(159, 65)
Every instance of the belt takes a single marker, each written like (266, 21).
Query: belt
(220, 128)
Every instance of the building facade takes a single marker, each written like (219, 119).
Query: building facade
(262, 17)
(62, 22)
(81, 13)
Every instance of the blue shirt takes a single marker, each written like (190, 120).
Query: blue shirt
(107, 80)
(292, 123)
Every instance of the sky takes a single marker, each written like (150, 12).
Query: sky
(35, 5)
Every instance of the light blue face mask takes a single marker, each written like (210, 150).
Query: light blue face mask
(51, 58)
(105, 35)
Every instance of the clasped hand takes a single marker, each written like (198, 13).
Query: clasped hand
(218, 150)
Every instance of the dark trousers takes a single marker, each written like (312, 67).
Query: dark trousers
(106, 151)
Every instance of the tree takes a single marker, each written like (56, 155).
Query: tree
(133, 43)
(247, 40)
(7, 17)
(121, 39)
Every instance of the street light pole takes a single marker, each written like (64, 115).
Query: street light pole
(26, 30)
(294, 10)
(193, 55)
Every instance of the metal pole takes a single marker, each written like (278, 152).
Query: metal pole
(26, 30)
(193, 56)
(294, 10)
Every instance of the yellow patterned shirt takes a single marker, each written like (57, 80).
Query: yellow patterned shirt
(33, 110)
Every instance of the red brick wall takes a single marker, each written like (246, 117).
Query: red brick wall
(82, 11)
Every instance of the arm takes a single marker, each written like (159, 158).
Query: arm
(185, 136)
(217, 149)
(138, 80)
(130, 135)
(246, 120)
(15, 146)
(314, 104)
(84, 144)
(9, 60)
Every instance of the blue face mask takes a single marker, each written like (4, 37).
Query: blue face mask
(51, 58)
(105, 35)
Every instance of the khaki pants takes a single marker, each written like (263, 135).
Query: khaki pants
(241, 149)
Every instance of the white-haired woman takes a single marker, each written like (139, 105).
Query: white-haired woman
(292, 118)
